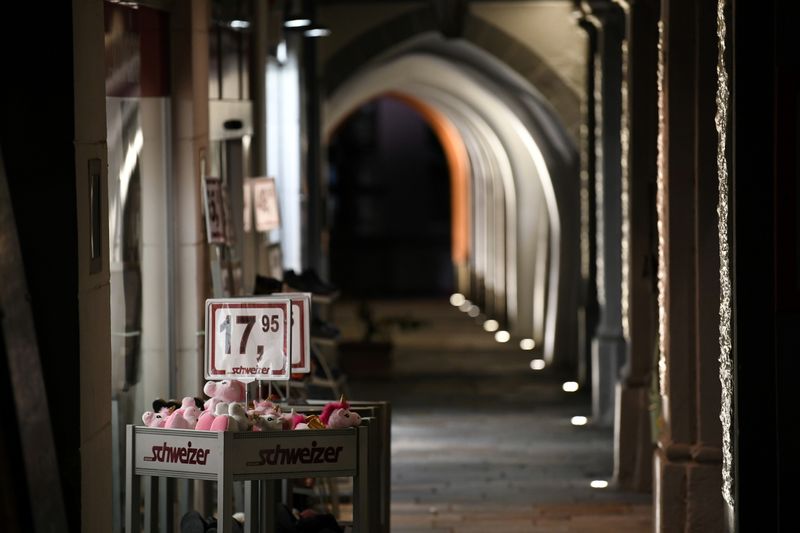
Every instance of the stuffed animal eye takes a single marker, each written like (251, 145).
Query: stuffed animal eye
(347, 415)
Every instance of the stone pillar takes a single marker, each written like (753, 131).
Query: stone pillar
(587, 310)
(608, 345)
(189, 63)
(258, 86)
(94, 287)
(311, 138)
(688, 460)
(633, 446)
(255, 259)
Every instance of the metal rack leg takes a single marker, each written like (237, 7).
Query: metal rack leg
(271, 492)
(132, 519)
(185, 498)
(361, 487)
(151, 504)
(333, 493)
(252, 515)
(224, 503)
(167, 489)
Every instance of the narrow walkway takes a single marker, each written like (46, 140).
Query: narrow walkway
(481, 443)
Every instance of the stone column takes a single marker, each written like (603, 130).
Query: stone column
(94, 287)
(608, 345)
(189, 63)
(189, 30)
(688, 480)
(312, 180)
(587, 310)
(633, 446)
(255, 259)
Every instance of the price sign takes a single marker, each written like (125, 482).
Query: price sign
(248, 338)
(301, 330)
(265, 201)
(215, 210)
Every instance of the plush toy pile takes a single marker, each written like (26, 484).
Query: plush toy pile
(225, 410)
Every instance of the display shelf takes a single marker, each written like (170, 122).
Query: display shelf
(380, 413)
(324, 341)
(226, 457)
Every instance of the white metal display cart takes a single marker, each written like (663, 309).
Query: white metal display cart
(226, 457)
(378, 415)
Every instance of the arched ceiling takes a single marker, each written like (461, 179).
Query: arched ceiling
(527, 190)
(538, 40)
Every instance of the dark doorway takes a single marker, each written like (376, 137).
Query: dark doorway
(390, 205)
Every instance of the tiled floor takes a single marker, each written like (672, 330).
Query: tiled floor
(480, 443)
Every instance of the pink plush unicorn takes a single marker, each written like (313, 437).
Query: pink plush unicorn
(227, 390)
(207, 419)
(290, 420)
(153, 420)
(227, 417)
(261, 407)
(185, 417)
(337, 415)
(268, 422)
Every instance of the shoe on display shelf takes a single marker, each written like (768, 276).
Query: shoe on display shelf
(309, 281)
(323, 331)
(265, 285)
(193, 522)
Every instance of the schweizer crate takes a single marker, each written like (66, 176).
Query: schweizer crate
(249, 456)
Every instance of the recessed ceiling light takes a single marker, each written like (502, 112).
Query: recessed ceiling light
(527, 344)
(296, 21)
(570, 386)
(457, 299)
(317, 31)
(537, 364)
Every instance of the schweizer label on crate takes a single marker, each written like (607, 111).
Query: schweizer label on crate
(177, 451)
(301, 330)
(248, 338)
(293, 452)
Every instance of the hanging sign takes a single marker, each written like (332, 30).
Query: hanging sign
(265, 203)
(248, 338)
(215, 210)
(301, 330)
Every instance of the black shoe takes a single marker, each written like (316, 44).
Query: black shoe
(235, 528)
(193, 522)
(323, 330)
(265, 286)
(308, 281)
(321, 523)
(311, 276)
(285, 522)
